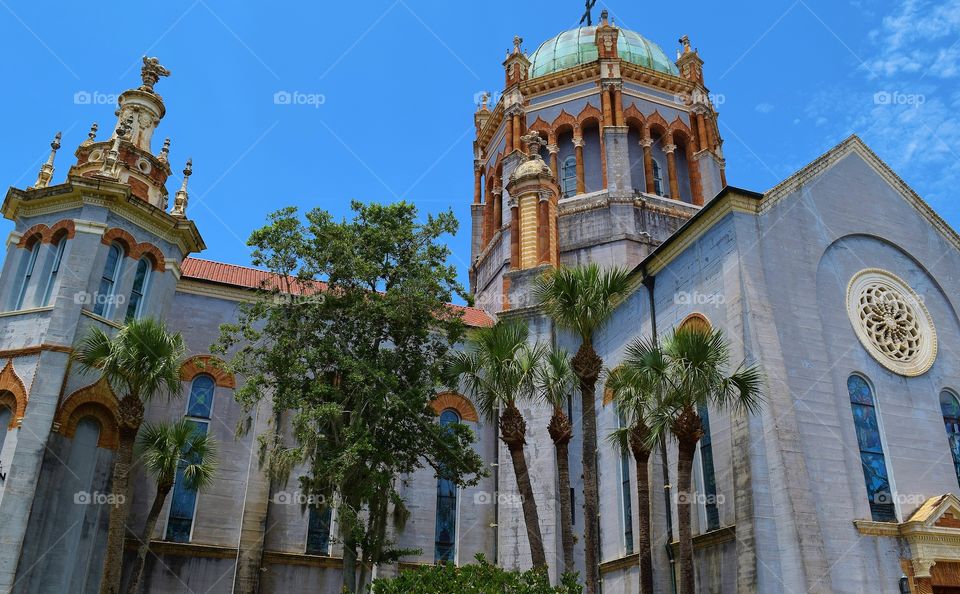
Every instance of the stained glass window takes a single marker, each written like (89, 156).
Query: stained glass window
(625, 496)
(201, 396)
(707, 471)
(445, 543)
(657, 179)
(871, 450)
(950, 407)
(183, 503)
(318, 530)
(569, 175)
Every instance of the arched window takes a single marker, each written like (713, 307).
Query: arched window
(111, 270)
(569, 176)
(59, 245)
(657, 179)
(445, 543)
(707, 471)
(950, 407)
(872, 459)
(138, 293)
(183, 504)
(26, 273)
(626, 495)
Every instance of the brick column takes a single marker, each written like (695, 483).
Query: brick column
(578, 145)
(554, 151)
(672, 171)
(605, 103)
(647, 144)
(618, 107)
(514, 235)
(508, 123)
(517, 130)
(487, 216)
(497, 209)
(696, 190)
(543, 228)
(702, 131)
(477, 183)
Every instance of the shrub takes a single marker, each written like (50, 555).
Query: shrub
(478, 578)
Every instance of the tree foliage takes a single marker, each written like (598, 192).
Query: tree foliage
(479, 578)
(347, 341)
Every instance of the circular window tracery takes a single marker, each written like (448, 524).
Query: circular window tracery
(891, 322)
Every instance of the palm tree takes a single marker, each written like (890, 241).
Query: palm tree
(499, 368)
(141, 362)
(582, 300)
(636, 393)
(556, 383)
(165, 448)
(691, 368)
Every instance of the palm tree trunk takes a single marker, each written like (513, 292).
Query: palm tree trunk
(119, 510)
(587, 365)
(530, 515)
(686, 451)
(513, 429)
(136, 572)
(561, 432)
(642, 458)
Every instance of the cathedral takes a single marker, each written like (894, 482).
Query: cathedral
(600, 148)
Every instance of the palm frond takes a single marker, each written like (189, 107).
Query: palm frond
(581, 299)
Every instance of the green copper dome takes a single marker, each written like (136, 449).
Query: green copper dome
(578, 46)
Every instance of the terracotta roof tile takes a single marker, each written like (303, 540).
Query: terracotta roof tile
(253, 278)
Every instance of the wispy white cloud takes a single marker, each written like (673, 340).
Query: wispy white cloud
(764, 108)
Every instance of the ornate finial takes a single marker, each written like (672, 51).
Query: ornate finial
(604, 17)
(165, 150)
(484, 98)
(533, 142)
(125, 127)
(586, 18)
(46, 170)
(91, 135)
(517, 40)
(685, 42)
(180, 200)
(151, 73)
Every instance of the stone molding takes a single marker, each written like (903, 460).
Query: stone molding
(457, 402)
(13, 394)
(209, 365)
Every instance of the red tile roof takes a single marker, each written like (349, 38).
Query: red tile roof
(253, 278)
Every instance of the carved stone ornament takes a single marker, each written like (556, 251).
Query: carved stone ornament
(891, 322)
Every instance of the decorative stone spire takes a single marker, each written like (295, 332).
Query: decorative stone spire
(180, 200)
(689, 62)
(533, 141)
(91, 135)
(165, 151)
(517, 65)
(151, 73)
(123, 132)
(46, 170)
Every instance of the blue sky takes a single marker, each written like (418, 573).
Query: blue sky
(389, 89)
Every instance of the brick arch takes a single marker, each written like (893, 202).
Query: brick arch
(540, 126)
(656, 121)
(634, 118)
(35, 233)
(65, 229)
(678, 125)
(589, 113)
(134, 249)
(562, 122)
(98, 401)
(457, 402)
(696, 321)
(209, 365)
(13, 393)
